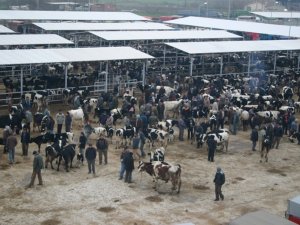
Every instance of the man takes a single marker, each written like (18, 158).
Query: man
(25, 139)
(254, 137)
(181, 126)
(60, 119)
(82, 143)
(6, 133)
(102, 146)
(122, 168)
(38, 165)
(68, 122)
(11, 143)
(219, 181)
(278, 133)
(90, 155)
(212, 146)
(129, 166)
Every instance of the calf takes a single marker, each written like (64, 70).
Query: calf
(157, 155)
(160, 136)
(124, 134)
(265, 148)
(67, 154)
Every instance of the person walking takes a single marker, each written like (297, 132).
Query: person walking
(219, 181)
(254, 137)
(60, 119)
(181, 126)
(7, 131)
(102, 147)
(38, 165)
(135, 146)
(11, 143)
(212, 146)
(122, 168)
(129, 166)
(278, 133)
(82, 143)
(90, 155)
(142, 142)
(68, 122)
(25, 139)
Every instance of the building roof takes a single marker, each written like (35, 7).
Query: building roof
(4, 30)
(68, 15)
(102, 26)
(243, 26)
(279, 15)
(260, 217)
(32, 39)
(66, 55)
(235, 46)
(164, 35)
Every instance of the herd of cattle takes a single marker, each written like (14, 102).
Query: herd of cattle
(196, 101)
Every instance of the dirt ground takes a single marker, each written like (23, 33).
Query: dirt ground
(79, 198)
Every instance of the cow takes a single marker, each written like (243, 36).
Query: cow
(287, 92)
(162, 171)
(297, 106)
(161, 136)
(99, 130)
(68, 154)
(77, 114)
(265, 148)
(245, 119)
(123, 134)
(52, 152)
(166, 125)
(117, 114)
(91, 104)
(287, 109)
(294, 136)
(37, 120)
(220, 136)
(40, 101)
(172, 106)
(269, 115)
(167, 90)
(157, 155)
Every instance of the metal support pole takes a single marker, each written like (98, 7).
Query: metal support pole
(298, 63)
(144, 71)
(221, 65)
(21, 80)
(249, 63)
(191, 66)
(66, 75)
(106, 77)
(275, 58)
(164, 55)
(176, 64)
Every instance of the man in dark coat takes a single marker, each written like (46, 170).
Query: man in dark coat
(25, 139)
(278, 133)
(129, 166)
(254, 137)
(219, 181)
(90, 155)
(212, 146)
(68, 122)
(82, 143)
(38, 165)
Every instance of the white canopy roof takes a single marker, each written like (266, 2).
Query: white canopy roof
(281, 15)
(235, 46)
(102, 26)
(260, 217)
(32, 39)
(68, 15)
(163, 35)
(262, 28)
(65, 55)
(4, 29)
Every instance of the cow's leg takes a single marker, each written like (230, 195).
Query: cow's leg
(59, 160)
(67, 165)
(51, 160)
(226, 145)
(39, 146)
(267, 152)
(261, 154)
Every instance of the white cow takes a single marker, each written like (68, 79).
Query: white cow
(286, 108)
(100, 130)
(77, 114)
(39, 101)
(268, 114)
(167, 89)
(221, 137)
(172, 106)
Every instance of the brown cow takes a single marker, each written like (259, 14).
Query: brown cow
(162, 171)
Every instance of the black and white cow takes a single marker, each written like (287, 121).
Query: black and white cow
(221, 137)
(126, 133)
(287, 92)
(160, 136)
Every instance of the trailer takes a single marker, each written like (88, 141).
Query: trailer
(293, 210)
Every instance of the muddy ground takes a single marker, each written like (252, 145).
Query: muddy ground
(79, 198)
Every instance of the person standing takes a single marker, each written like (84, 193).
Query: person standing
(38, 165)
(212, 146)
(278, 133)
(68, 122)
(11, 144)
(6, 133)
(254, 137)
(142, 142)
(90, 155)
(82, 143)
(25, 139)
(102, 146)
(122, 168)
(219, 181)
(181, 126)
(135, 146)
(60, 119)
(29, 119)
(129, 166)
